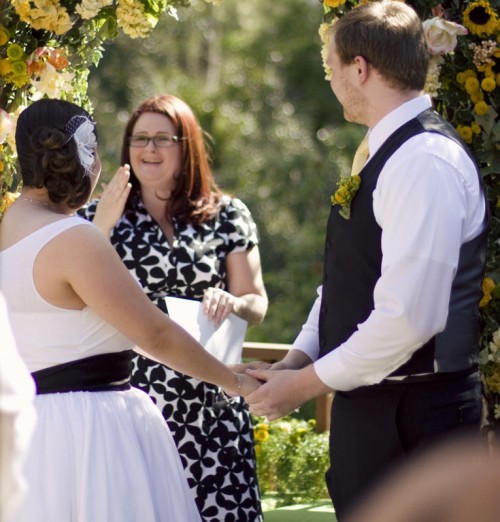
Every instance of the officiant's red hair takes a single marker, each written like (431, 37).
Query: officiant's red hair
(195, 196)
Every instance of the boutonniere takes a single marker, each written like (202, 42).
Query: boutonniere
(346, 190)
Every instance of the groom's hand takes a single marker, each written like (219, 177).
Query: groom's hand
(283, 391)
(277, 396)
(254, 365)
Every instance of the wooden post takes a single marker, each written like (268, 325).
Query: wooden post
(323, 408)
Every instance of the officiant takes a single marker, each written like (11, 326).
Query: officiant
(180, 235)
(395, 328)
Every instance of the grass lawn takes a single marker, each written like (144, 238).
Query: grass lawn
(318, 511)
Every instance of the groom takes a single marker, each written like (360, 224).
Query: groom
(394, 328)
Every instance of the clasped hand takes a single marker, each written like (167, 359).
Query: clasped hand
(276, 395)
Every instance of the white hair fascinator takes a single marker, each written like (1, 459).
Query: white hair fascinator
(81, 129)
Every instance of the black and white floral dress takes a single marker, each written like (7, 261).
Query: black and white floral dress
(214, 439)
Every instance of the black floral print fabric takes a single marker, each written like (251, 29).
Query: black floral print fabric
(214, 437)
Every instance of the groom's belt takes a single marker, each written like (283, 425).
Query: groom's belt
(104, 372)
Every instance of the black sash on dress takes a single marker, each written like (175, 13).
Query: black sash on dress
(104, 372)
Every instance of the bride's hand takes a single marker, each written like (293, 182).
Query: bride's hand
(243, 385)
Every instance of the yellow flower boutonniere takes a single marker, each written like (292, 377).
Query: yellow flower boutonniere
(346, 190)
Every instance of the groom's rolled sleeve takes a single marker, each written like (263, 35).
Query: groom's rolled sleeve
(308, 339)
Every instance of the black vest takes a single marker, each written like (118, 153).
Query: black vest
(353, 260)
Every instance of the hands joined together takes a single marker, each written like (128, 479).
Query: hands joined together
(274, 390)
(270, 390)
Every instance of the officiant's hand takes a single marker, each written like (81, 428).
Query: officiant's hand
(284, 391)
(112, 201)
(218, 304)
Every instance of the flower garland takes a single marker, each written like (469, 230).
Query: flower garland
(47, 48)
(463, 39)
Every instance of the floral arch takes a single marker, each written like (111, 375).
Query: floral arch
(48, 46)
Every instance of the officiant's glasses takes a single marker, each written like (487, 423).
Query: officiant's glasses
(159, 140)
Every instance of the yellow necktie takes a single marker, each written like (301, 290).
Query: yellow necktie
(362, 153)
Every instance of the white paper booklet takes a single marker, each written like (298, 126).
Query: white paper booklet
(225, 342)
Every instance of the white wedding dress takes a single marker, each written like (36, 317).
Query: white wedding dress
(104, 456)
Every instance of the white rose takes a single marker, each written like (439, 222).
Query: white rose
(441, 35)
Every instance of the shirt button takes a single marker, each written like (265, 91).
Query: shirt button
(322, 343)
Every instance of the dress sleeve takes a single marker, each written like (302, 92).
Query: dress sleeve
(238, 226)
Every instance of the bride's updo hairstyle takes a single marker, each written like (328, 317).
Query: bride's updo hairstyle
(49, 155)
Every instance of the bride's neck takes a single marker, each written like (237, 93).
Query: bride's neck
(40, 199)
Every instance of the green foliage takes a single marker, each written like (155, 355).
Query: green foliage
(291, 459)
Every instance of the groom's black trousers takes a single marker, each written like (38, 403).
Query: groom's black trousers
(375, 428)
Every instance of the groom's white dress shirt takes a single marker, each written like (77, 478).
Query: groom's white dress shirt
(428, 203)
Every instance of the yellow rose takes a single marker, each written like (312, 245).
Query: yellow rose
(5, 67)
(465, 133)
(488, 84)
(488, 287)
(341, 195)
(481, 108)
(471, 85)
(333, 3)
(477, 97)
(476, 128)
(4, 35)
(261, 435)
(470, 73)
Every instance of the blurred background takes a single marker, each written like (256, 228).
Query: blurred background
(252, 71)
